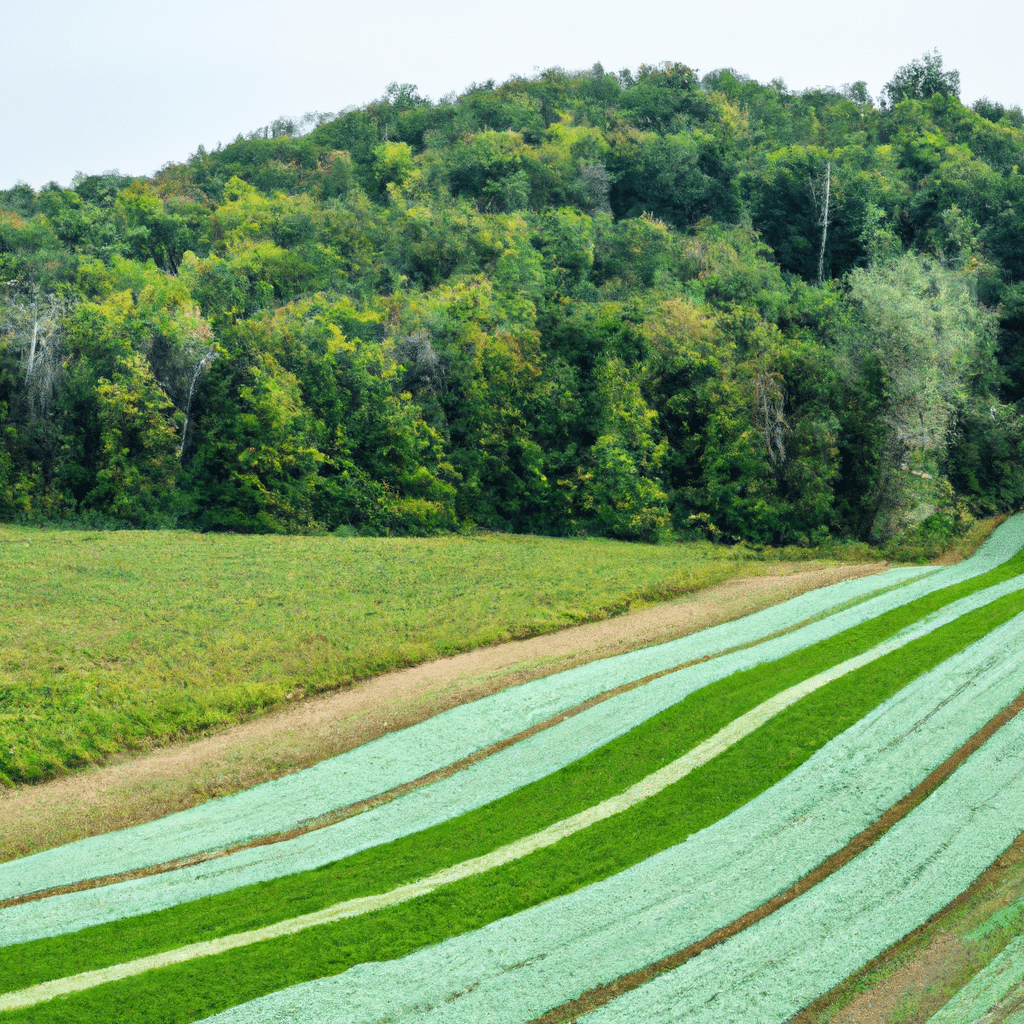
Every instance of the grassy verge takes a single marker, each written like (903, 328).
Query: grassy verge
(116, 641)
(730, 780)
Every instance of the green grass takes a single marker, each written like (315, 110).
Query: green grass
(733, 778)
(114, 641)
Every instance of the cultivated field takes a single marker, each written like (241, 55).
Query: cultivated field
(720, 828)
(117, 641)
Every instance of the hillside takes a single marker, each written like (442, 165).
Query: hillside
(626, 305)
(722, 828)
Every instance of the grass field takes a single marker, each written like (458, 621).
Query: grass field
(116, 641)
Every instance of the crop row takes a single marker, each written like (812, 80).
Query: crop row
(192, 831)
(770, 971)
(730, 781)
(515, 968)
(64, 1009)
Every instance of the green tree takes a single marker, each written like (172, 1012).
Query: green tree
(146, 230)
(922, 79)
(917, 346)
(620, 490)
(138, 464)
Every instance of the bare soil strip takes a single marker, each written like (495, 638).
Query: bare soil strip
(604, 994)
(350, 810)
(139, 788)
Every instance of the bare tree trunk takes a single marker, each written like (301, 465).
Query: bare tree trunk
(211, 354)
(33, 322)
(771, 400)
(824, 223)
(35, 336)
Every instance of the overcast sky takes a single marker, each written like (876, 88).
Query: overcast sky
(103, 84)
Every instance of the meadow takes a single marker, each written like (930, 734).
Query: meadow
(119, 641)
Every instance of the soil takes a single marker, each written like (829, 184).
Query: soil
(882, 1000)
(137, 788)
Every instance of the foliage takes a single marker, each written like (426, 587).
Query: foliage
(922, 79)
(573, 303)
(922, 345)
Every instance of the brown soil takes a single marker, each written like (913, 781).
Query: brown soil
(140, 788)
(909, 983)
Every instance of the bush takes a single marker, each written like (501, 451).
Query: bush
(930, 538)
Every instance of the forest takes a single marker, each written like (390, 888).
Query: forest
(642, 305)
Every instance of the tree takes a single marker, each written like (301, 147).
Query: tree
(620, 489)
(857, 92)
(32, 323)
(821, 190)
(922, 79)
(138, 459)
(146, 229)
(916, 349)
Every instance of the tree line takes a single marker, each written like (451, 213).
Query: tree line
(633, 305)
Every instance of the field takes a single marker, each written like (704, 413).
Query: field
(118, 641)
(724, 827)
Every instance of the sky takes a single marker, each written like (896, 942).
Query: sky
(114, 84)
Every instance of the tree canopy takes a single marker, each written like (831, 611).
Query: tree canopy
(922, 79)
(572, 303)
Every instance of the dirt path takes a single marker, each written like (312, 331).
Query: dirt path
(141, 788)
